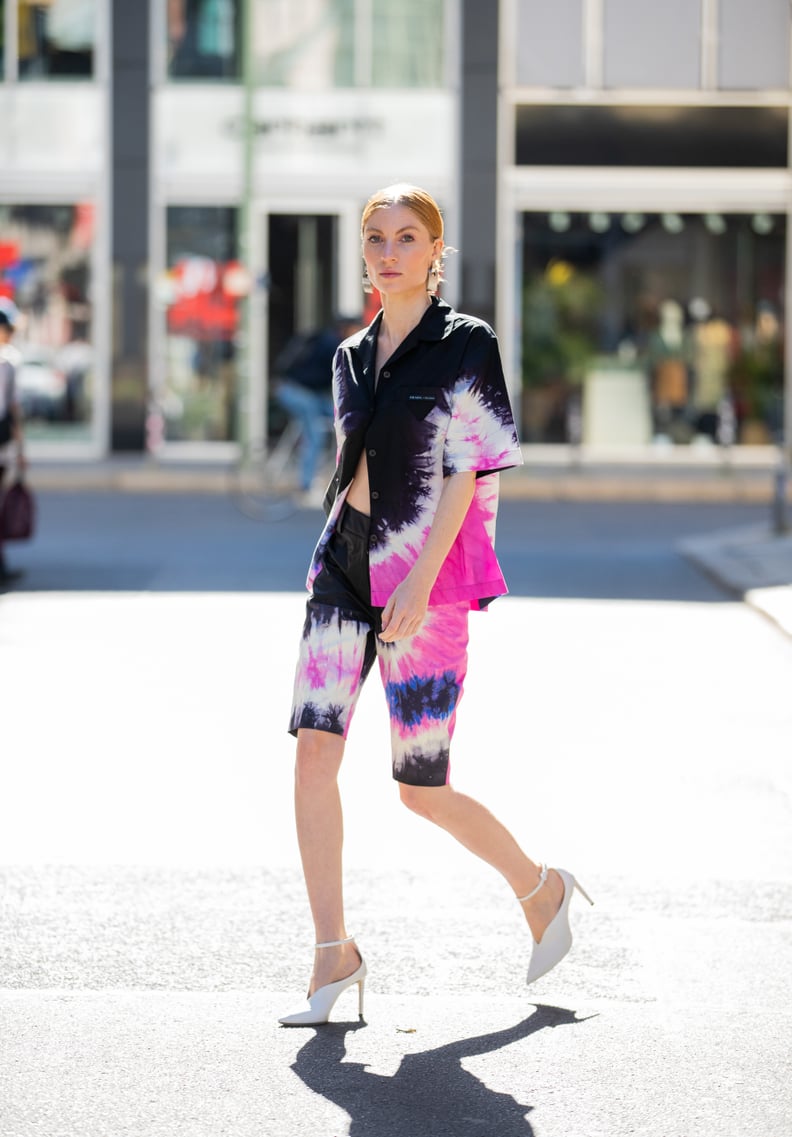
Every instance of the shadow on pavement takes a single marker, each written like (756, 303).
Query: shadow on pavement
(431, 1093)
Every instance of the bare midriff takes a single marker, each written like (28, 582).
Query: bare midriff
(359, 493)
(358, 496)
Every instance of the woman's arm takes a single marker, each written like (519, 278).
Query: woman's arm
(406, 608)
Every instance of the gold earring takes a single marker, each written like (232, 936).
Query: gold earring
(433, 278)
(367, 285)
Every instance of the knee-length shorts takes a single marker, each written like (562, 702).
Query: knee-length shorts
(423, 675)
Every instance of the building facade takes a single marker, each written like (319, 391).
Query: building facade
(643, 236)
(181, 183)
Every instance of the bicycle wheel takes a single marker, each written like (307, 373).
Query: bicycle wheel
(262, 484)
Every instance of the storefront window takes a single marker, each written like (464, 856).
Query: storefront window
(45, 269)
(407, 43)
(201, 292)
(56, 39)
(204, 39)
(344, 43)
(653, 328)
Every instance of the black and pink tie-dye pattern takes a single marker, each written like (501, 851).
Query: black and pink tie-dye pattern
(336, 654)
(423, 678)
(438, 407)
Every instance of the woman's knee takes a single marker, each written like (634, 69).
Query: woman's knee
(426, 801)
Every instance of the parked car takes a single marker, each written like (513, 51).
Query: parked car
(41, 387)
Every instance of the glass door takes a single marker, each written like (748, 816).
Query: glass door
(302, 278)
(306, 276)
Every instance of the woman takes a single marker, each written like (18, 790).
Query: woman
(423, 425)
(12, 438)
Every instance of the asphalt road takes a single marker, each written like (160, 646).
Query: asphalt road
(181, 542)
(627, 720)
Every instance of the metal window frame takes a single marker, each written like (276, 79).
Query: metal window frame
(708, 66)
(11, 30)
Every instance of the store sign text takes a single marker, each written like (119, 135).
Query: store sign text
(359, 129)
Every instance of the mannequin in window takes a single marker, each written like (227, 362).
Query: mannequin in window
(711, 341)
(668, 373)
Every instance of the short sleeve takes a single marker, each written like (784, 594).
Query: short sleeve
(481, 434)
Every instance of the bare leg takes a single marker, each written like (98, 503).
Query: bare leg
(476, 828)
(320, 833)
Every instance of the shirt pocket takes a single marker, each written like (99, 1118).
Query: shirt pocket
(421, 401)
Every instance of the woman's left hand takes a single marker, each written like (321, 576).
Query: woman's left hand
(403, 615)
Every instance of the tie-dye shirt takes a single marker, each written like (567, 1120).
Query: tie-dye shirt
(439, 407)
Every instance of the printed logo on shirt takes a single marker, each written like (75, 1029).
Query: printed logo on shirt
(421, 402)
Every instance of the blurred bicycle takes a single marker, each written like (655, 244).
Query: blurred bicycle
(265, 481)
(275, 478)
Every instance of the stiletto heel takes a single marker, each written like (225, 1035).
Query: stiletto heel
(557, 938)
(318, 1006)
(583, 892)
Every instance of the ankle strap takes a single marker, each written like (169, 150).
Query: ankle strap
(542, 879)
(335, 943)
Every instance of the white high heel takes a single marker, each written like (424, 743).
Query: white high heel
(318, 1006)
(557, 938)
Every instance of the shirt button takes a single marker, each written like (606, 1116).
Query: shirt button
(374, 495)
(386, 374)
(372, 542)
(372, 453)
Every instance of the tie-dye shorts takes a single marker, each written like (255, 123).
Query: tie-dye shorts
(423, 676)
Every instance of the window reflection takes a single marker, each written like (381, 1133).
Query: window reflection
(663, 328)
(56, 38)
(407, 40)
(306, 46)
(203, 39)
(339, 43)
(45, 270)
(201, 291)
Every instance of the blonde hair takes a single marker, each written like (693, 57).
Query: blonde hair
(425, 208)
(418, 201)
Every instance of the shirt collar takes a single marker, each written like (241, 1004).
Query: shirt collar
(431, 326)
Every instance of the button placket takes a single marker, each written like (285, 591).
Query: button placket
(372, 453)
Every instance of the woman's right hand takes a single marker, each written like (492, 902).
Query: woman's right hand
(403, 615)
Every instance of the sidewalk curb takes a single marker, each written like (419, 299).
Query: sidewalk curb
(775, 604)
(527, 483)
(751, 561)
